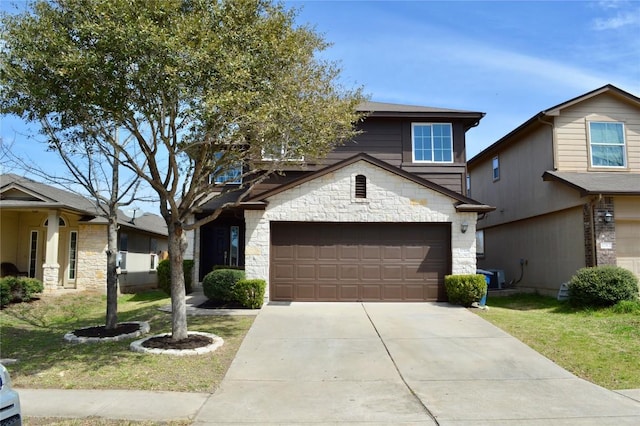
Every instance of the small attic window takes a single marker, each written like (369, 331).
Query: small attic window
(361, 186)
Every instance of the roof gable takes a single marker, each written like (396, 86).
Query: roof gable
(460, 199)
(554, 111)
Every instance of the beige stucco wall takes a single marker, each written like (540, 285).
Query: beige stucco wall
(329, 198)
(571, 132)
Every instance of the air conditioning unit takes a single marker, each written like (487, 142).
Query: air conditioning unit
(497, 280)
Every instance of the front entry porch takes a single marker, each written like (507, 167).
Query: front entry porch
(222, 242)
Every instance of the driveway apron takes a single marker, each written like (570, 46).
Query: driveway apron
(399, 363)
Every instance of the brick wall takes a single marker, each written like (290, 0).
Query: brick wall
(605, 232)
(330, 198)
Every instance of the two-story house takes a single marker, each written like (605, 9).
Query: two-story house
(60, 238)
(383, 217)
(566, 186)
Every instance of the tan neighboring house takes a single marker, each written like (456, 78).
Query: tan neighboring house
(58, 237)
(566, 184)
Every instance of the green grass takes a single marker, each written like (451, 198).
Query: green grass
(33, 334)
(601, 346)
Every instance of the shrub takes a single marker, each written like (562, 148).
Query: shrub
(18, 289)
(627, 307)
(164, 275)
(250, 293)
(465, 289)
(219, 285)
(216, 267)
(602, 286)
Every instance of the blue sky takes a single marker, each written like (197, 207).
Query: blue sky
(508, 59)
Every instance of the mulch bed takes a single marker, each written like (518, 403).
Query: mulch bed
(214, 304)
(194, 341)
(100, 331)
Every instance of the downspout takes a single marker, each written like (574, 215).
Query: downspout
(554, 147)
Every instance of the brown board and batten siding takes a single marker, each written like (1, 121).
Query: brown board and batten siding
(359, 261)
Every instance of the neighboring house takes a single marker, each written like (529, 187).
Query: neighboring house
(58, 237)
(566, 185)
(383, 218)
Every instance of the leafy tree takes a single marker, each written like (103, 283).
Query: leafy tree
(93, 164)
(201, 85)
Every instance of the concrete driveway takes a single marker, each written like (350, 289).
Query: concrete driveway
(399, 363)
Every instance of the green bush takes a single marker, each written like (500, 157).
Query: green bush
(250, 293)
(465, 289)
(216, 267)
(18, 289)
(627, 307)
(219, 285)
(602, 286)
(164, 275)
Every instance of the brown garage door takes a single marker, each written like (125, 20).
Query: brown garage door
(359, 261)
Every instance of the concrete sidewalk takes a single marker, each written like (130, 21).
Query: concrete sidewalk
(371, 363)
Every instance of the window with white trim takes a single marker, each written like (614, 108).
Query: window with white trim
(280, 153)
(228, 174)
(480, 243)
(73, 255)
(495, 165)
(606, 140)
(33, 254)
(432, 142)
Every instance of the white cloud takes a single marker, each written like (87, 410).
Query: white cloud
(622, 19)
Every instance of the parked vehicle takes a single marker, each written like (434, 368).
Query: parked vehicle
(10, 414)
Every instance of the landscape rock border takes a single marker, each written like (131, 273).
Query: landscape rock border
(144, 328)
(217, 341)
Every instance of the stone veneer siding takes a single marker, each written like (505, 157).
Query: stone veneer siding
(92, 257)
(331, 198)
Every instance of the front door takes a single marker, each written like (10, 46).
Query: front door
(214, 248)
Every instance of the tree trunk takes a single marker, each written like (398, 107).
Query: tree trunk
(112, 275)
(177, 247)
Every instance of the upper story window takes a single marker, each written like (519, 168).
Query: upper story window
(227, 174)
(606, 140)
(495, 165)
(432, 142)
(280, 153)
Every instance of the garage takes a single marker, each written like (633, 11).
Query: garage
(393, 262)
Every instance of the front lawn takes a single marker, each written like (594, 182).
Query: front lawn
(33, 334)
(600, 346)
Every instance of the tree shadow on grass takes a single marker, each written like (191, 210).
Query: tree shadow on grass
(45, 359)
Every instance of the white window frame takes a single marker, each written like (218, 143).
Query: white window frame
(283, 155)
(495, 168)
(226, 177)
(33, 257)
(622, 146)
(432, 160)
(480, 243)
(153, 264)
(73, 262)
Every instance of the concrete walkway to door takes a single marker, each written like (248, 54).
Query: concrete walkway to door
(388, 363)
